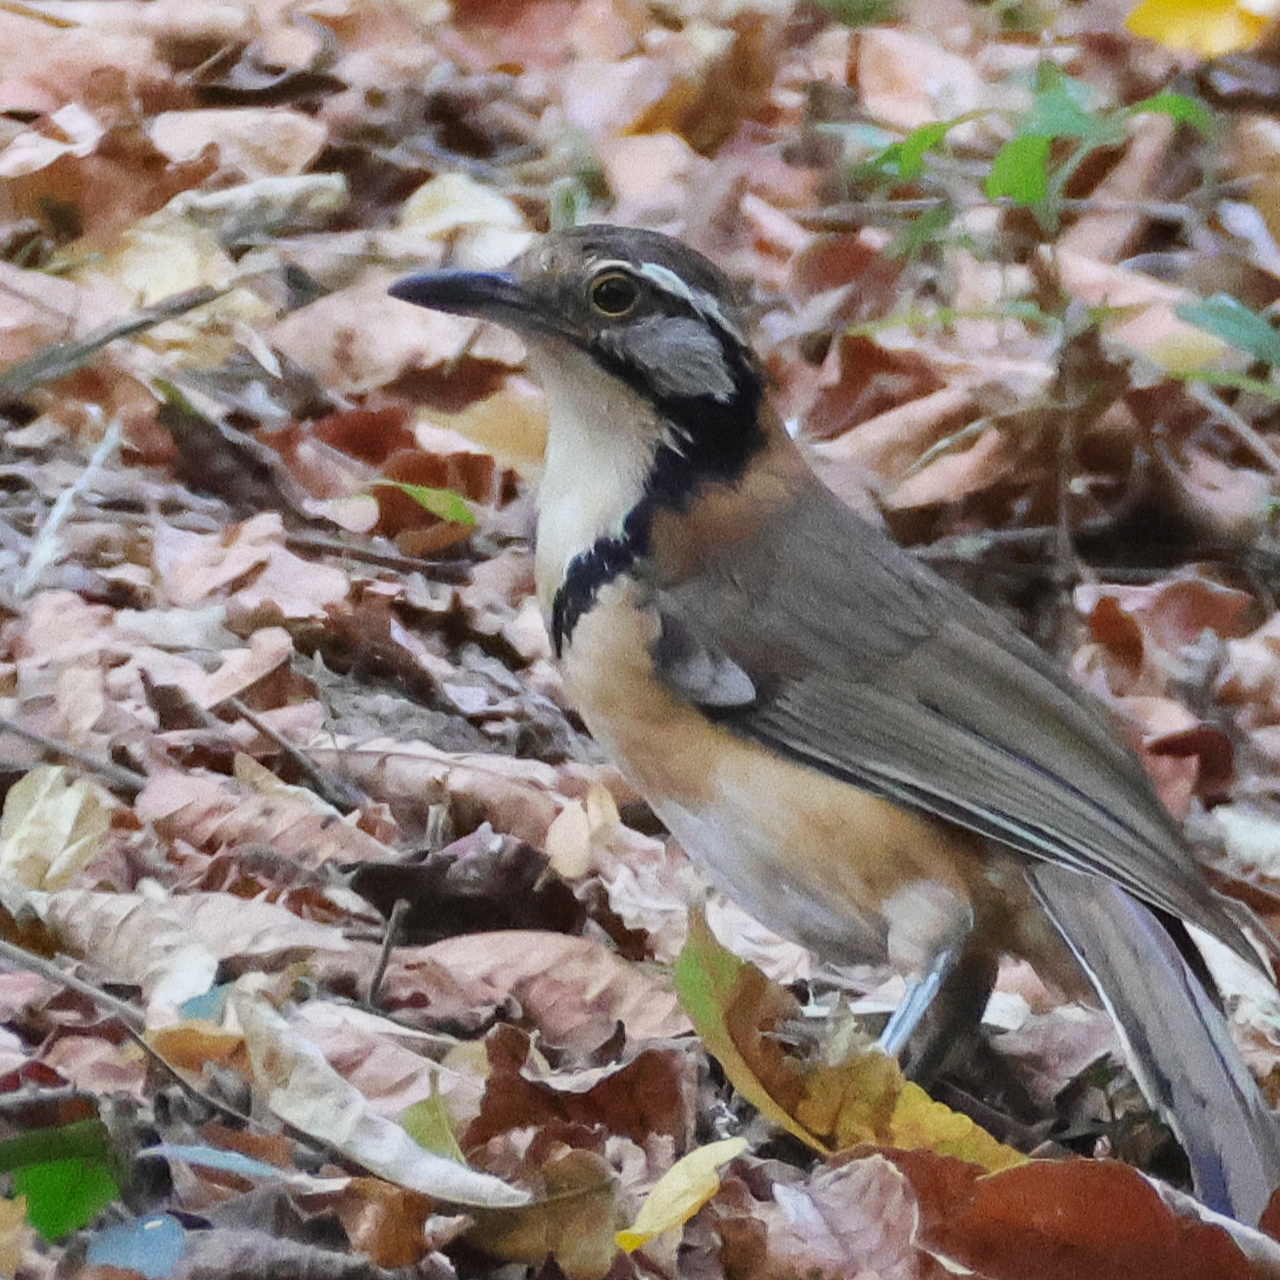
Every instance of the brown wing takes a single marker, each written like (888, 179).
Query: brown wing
(823, 639)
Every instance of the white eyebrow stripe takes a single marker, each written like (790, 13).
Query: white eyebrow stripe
(703, 303)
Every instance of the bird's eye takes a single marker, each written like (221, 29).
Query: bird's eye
(614, 294)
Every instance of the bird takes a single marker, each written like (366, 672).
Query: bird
(866, 758)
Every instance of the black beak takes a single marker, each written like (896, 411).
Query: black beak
(487, 295)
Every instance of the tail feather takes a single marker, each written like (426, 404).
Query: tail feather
(1177, 1042)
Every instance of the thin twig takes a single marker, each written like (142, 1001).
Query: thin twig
(116, 776)
(129, 1015)
(440, 570)
(389, 941)
(333, 791)
(30, 11)
(1229, 417)
(44, 549)
(62, 358)
(856, 216)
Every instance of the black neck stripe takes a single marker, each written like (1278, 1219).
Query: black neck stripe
(587, 574)
(712, 441)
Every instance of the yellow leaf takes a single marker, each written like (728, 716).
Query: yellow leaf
(1209, 28)
(919, 1121)
(853, 1102)
(680, 1192)
(867, 1099)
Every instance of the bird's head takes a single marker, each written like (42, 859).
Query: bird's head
(652, 389)
(644, 308)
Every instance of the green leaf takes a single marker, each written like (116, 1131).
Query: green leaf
(1179, 107)
(569, 202)
(860, 13)
(1224, 378)
(444, 503)
(65, 1195)
(1020, 170)
(905, 159)
(1233, 322)
(1057, 114)
(430, 1125)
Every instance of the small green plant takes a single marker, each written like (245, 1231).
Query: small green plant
(1051, 140)
(1060, 130)
(68, 1174)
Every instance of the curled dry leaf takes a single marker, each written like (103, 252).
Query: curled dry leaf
(303, 1090)
(648, 1095)
(575, 990)
(249, 567)
(484, 228)
(171, 946)
(257, 142)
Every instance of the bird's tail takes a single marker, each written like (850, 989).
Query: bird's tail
(1177, 1042)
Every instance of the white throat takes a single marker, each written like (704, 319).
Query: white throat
(601, 442)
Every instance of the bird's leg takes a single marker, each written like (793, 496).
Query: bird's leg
(915, 1003)
(945, 1022)
(931, 933)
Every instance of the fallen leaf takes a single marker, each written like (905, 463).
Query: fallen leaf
(681, 1192)
(303, 1090)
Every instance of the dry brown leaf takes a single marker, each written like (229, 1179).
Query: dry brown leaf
(571, 1221)
(1253, 155)
(360, 339)
(171, 947)
(384, 1221)
(857, 1219)
(574, 990)
(51, 828)
(304, 1091)
(648, 1095)
(1145, 318)
(389, 1063)
(650, 174)
(485, 229)
(1050, 1211)
(214, 813)
(98, 1065)
(18, 1238)
(249, 567)
(894, 90)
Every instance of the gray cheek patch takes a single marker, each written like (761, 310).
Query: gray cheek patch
(678, 357)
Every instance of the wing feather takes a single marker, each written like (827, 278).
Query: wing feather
(865, 664)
